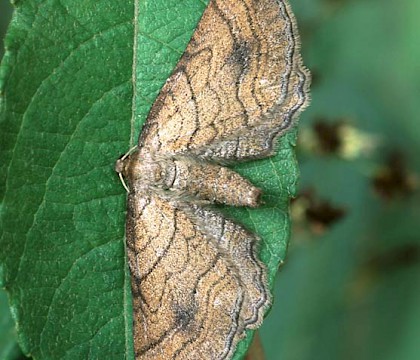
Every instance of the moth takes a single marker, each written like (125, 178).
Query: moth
(197, 281)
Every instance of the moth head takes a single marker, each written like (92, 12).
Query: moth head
(136, 167)
(119, 166)
(124, 165)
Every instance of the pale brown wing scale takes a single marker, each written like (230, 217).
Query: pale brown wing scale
(197, 280)
(240, 78)
(198, 287)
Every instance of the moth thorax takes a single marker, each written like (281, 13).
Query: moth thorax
(147, 171)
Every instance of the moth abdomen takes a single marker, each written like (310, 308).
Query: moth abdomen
(212, 182)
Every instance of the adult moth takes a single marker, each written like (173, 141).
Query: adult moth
(197, 281)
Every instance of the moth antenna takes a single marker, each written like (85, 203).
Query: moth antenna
(129, 152)
(123, 182)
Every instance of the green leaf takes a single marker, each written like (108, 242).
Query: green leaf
(66, 116)
(66, 100)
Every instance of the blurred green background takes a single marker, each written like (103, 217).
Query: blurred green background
(350, 288)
